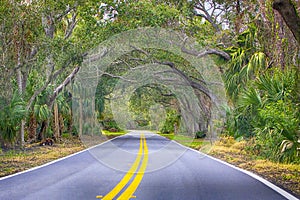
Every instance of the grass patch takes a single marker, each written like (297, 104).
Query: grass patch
(178, 138)
(115, 134)
(169, 136)
(182, 138)
(199, 144)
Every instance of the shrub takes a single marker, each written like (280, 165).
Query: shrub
(11, 116)
(268, 109)
(110, 124)
(277, 129)
(172, 119)
(200, 134)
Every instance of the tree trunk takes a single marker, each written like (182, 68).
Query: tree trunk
(56, 121)
(80, 117)
(41, 134)
(32, 128)
(61, 124)
(288, 11)
(280, 35)
(20, 87)
(70, 122)
(238, 19)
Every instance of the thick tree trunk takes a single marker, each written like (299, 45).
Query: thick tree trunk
(238, 19)
(32, 128)
(288, 11)
(44, 126)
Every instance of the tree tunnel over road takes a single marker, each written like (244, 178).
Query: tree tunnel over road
(147, 57)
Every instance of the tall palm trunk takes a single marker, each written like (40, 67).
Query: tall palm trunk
(20, 87)
(56, 121)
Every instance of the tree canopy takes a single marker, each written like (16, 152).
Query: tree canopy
(254, 47)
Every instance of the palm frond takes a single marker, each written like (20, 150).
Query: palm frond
(250, 98)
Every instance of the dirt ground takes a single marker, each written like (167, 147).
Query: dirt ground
(32, 155)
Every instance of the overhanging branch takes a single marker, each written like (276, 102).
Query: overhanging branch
(205, 52)
(186, 78)
(62, 85)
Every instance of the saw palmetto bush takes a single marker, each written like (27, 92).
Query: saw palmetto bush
(278, 120)
(11, 115)
(269, 110)
(276, 132)
(263, 99)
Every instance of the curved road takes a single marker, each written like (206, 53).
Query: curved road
(138, 165)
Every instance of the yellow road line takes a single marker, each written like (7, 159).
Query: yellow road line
(128, 175)
(128, 193)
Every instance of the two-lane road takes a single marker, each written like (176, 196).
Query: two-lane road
(137, 165)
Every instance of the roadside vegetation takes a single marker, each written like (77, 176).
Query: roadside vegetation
(113, 134)
(16, 160)
(188, 141)
(241, 154)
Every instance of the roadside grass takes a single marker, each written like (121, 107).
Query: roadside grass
(240, 154)
(203, 144)
(33, 155)
(286, 176)
(192, 142)
(170, 136)
(113, 134)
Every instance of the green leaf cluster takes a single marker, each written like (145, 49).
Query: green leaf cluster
(11, 115)
(269, 110)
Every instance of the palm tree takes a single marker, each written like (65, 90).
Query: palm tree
(246, 63)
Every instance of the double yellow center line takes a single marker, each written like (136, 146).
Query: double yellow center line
(129, 191)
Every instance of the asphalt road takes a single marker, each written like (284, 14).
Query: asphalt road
(137, 166)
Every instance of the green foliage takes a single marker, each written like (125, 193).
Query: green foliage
(269, 110)
(264, 102)
(277, 131)
(238, 125)
(111, 125)
(42, 112)
(63, 105)
(247, 62)
(130, 15)
(250, 100)
(105, 87)
(11, 115)
(172, 119)
(278, 85)
(200, 134)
